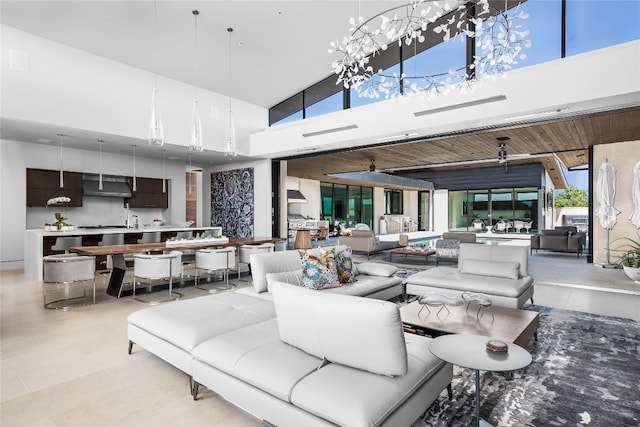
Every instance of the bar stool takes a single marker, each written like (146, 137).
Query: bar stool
(245, 252)
(188, 257)
(64, 243)
(280, 245)
(108, 240)
(66, 269)
(214, 260)
(150, 237)
(157, 266)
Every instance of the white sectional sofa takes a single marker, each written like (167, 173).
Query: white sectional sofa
(227, 342)
(499, 271)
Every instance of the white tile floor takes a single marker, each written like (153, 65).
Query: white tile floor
(71, 368)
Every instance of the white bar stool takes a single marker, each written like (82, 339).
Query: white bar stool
(65, 269)
(157, 266)
(245, 251)
(215, 260)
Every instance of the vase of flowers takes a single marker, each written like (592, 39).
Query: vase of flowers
(61, 219)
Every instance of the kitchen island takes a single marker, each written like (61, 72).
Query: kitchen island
(38, 242)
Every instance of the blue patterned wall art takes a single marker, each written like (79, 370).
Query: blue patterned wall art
(232, 206)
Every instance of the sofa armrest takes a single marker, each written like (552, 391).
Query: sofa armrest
(575, 243)
(535, 241)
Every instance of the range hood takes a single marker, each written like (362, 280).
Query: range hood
(295, 196)
(112, 186)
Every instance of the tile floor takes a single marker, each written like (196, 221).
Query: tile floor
(71, 368)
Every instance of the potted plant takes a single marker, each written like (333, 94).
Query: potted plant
(629, 258)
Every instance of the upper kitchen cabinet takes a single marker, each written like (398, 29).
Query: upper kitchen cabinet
(43, 185)
(148, 194)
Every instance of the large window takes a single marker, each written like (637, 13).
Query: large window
(491, 206)
(346, 204)
(392, 202)
(596, 24)
(588, 25)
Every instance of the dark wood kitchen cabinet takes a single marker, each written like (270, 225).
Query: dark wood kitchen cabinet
(148, 194)
(43, 185)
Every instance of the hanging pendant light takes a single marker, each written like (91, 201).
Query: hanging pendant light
(164, 171)
(230, 147)
(135, 186)
(100, 186)
(195, 139)
(156, 131)
(61, 165)
(189, 173)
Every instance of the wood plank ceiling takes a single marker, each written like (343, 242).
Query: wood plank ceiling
(548, 143)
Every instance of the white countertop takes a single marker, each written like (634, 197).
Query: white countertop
(108, 230)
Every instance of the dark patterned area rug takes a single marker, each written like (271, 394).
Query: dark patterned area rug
(585, 372)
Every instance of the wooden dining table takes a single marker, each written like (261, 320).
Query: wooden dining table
(118, 253)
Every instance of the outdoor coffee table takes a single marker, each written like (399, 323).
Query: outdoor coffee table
(470, 351)
(507, 324)
(409, 251)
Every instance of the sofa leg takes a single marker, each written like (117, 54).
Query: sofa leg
(450, 391)
(130, 346)
(195, 387)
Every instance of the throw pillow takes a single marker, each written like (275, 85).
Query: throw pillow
(319, 272)
(344, 266)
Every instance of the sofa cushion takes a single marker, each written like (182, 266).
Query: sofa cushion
(344, 267)
(365, 399)
(507, 253)
(271, 262)
(358, 332)
(451, 278)
(555, 232)
(377, 269)
(319, 272)
(256, 355)
(293, 277)
(187, 323)
(506, 269)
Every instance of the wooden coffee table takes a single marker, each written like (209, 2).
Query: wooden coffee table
(409, 251)
(507, 324)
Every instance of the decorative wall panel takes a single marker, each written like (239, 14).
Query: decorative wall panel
(232, 205)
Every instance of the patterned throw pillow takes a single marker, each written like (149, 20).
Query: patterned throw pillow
(345, 266)
(319, 272)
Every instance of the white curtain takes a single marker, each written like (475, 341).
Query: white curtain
(635, 195)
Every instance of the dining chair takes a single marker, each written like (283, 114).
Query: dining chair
(155, 267)
(215, 260)
(245, 252)
(60, 272)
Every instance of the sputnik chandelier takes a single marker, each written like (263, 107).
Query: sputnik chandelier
(499, 41)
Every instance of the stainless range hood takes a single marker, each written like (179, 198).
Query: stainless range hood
(294, 196)
(112, 186)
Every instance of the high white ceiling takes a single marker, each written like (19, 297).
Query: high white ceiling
(277, 47)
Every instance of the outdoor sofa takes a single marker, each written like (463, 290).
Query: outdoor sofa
(560, 239)
(296, 356)
(365, 241)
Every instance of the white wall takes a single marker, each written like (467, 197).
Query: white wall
(15, 217)
(75, 89)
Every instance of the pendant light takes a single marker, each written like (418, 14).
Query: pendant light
(230, 148)
(164, 171)
(135, 186)
(100, 186)
(189, 172)
(195, 139)
(61, 165)
(156, 131)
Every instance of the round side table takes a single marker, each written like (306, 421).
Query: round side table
(470, 351)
